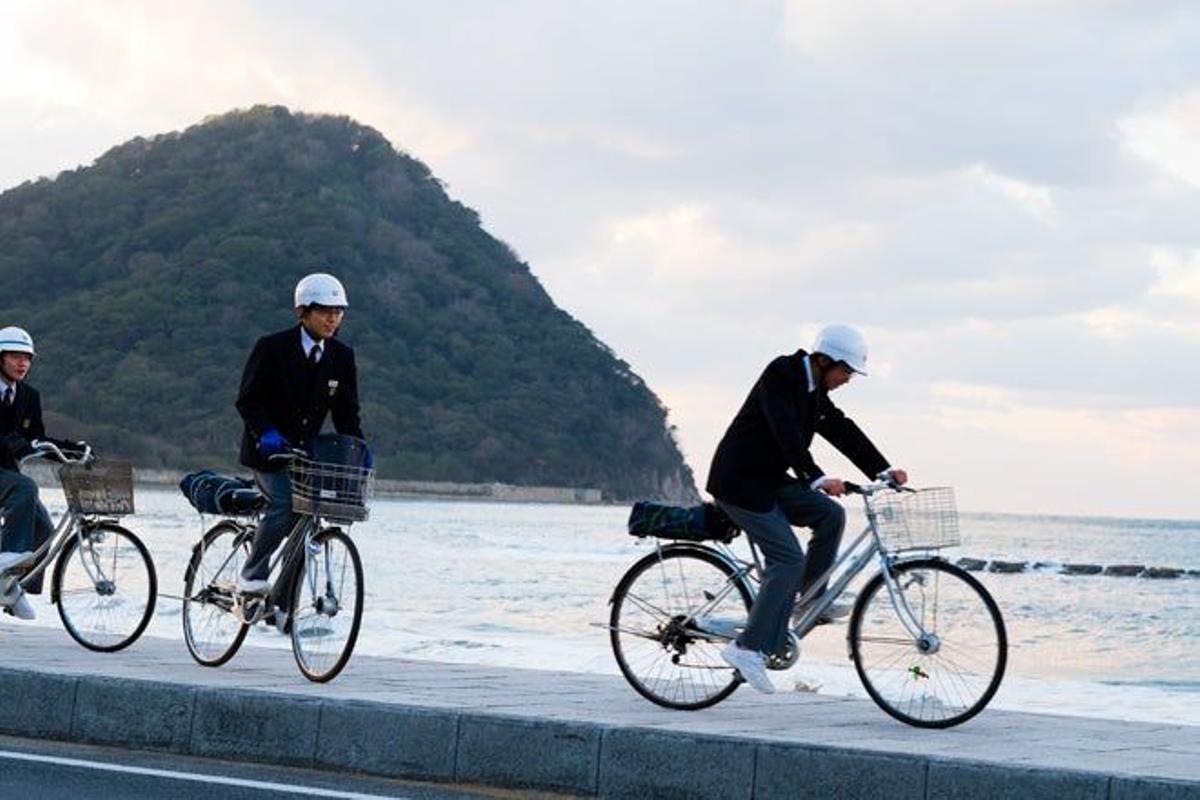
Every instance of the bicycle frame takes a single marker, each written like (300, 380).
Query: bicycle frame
(282, 562)
(851, 561)
(70, 524)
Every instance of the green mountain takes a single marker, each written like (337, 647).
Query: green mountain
(146, 277)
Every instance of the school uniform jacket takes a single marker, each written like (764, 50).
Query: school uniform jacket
(773, 432)
(281, 390)
(20, 424)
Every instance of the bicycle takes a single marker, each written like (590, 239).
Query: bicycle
(104, 583)
(926, 639)
(317, 570)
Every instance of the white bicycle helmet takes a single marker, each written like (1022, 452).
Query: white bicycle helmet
(16, 340)
(845, 344)
(320, 289)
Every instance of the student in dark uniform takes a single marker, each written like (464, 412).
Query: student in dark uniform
(27, 524)
(291, 381)
(749, 480)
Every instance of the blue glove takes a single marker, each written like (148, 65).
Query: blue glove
(272, 442)
(368, 459)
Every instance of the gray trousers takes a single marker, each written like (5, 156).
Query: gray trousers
(276, 523)
(786, 570)
(27, 524)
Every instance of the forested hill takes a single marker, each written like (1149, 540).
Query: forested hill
(146, 277)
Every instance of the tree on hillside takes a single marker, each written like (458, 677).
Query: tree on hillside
(147, 276)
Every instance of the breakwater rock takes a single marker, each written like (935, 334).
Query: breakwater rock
(1001, 567)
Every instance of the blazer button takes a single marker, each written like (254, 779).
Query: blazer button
(304, 421)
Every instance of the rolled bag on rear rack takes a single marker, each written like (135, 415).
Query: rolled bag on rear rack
(703, 523)
(210, 493)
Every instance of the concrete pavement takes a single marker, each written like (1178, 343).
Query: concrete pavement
(565, 732)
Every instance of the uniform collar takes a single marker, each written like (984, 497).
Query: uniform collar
(307, 342)
(808, 370)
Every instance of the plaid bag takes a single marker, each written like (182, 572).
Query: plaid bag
(702, 523)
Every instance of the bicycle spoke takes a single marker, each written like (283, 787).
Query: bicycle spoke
(965, 659)
(657, 628)
(106, 588)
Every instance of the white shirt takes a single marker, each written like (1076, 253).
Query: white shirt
(6, 385)
(307, 342)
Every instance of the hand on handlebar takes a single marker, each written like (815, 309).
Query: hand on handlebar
(834, 487)
(273, 443)
(287, 455)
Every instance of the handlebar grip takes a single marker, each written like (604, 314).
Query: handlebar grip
(291, 454)
(851, 487)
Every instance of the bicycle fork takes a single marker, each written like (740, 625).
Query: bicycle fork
(926, 642)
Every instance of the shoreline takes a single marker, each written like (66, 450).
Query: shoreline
(493, 492)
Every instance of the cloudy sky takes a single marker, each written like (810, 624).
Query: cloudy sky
(1003, 194)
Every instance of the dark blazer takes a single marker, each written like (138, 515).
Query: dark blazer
(774, 430)
(20, 424)
(280, 390)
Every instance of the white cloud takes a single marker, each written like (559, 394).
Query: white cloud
(121, 69)
(1036, 200)
(1167, 135)
(628, 142)
(704, 185)
(1178, 274)
(830, 29)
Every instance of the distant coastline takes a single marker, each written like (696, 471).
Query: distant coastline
(425, 490)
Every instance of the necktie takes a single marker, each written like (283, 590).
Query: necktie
(8, 395)
(314, 355)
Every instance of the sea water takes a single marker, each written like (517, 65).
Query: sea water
(527, 585)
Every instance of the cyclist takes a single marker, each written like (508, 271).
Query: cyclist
(27, 524)
(748, 479)
(291, 381)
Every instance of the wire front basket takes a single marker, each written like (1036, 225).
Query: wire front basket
(100, 487)
(334, 491)
(923, 520)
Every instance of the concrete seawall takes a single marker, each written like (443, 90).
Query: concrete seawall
(586, 735)
(44, 473)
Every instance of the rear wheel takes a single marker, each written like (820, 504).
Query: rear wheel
(672, 613)
(105, 586)
(948, 675)
(212, 630)
(327, 605)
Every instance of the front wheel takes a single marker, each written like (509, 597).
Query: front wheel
(327, 605)
(671, 614)
(105, 586)
(949, 674)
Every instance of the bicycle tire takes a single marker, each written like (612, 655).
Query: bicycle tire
(110, 613)
(955, 681)
(321, 643)
(212, 632)
(650, 642)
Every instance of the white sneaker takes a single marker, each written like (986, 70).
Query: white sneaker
(11, 561)
(252, 585)
(751, 665)
(22, 608)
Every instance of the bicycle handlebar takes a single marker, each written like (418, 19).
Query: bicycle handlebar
(289, 455)
(874, 487)
(45, 449)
